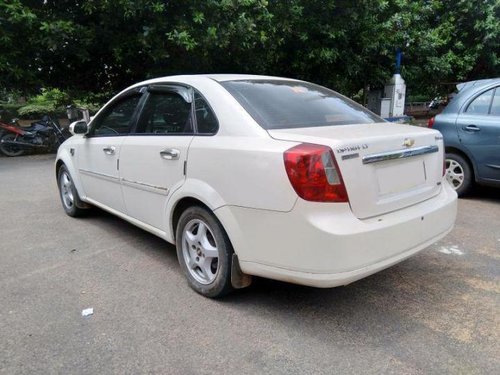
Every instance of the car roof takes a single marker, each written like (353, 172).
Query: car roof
(213, 77)
(238, 77)
(467, 90)
(478, 83)
(193, 79)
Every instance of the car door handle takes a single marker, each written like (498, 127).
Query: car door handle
(472, 128)
(109, 150)
(170, 154)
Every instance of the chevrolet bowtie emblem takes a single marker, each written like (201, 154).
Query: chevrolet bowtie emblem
(408, 142)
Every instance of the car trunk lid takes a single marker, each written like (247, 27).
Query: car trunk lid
(385, 166)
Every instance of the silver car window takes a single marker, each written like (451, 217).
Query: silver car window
(481, 104)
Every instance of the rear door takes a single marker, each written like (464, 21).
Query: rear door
(479, 132)
(99, 154)
(153, 156)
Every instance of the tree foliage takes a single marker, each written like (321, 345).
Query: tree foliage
(105, 45)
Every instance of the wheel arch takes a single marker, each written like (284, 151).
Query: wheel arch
(238, 278)
(191, 191)
(180, 206)
(59, 164)
(64, 158)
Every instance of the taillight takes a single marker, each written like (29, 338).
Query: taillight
(314, 173)
(430, 123)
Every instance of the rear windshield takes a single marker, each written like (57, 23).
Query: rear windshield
(277, 104)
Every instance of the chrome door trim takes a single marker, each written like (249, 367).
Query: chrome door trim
(103, 176)
(399, 154)
(146, 187)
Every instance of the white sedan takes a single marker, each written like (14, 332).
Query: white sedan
(265, 176)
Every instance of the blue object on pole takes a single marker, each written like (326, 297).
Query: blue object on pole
(399, 54)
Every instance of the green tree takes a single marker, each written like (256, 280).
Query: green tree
(17, 25)
(103, 46)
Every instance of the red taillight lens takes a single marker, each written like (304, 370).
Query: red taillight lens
(314, 173)
(430, 123)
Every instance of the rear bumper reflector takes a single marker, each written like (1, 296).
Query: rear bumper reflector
(399, 154)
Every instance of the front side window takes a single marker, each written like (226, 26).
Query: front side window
(480, 105)
(205, 118)
(281, 104)
(116, 118)
(165, 113)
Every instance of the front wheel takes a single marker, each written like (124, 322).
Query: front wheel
(458, 174)
(10, 150)
(204, 252)
(69, 196)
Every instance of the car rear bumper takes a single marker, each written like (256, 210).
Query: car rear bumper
(325, 245)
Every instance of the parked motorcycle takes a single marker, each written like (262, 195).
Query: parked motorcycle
(43, 135)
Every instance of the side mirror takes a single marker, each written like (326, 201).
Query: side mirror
(79, 127)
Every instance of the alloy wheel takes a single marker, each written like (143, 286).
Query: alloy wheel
(454, 173)
(200, 251)
(66, 187)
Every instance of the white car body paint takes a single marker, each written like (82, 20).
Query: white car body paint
(239, 174)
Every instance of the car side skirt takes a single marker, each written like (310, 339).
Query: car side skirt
(131, 220)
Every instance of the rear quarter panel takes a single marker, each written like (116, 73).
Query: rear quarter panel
(244, 171)
(446, 124)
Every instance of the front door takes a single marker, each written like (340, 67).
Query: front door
(479, 131)
(98, 156)
(153, 157)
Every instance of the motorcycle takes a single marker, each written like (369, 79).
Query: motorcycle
(43, 135)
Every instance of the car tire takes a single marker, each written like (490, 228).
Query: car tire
(9, 150)
(204, 252)
(459, 174)
(70, 199)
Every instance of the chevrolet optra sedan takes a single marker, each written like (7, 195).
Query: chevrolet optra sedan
(263, 176)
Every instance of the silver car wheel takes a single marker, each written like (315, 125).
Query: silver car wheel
(454, 173)
(200, 252)
(66, 188)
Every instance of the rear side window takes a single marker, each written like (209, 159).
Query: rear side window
(277, 104)
(480, 105)
(165, 113)
(205, 117)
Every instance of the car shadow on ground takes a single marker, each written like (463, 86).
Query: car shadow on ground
(394, 285)
(148, 243)
(487, 193)
(383, 288)
(420, 283)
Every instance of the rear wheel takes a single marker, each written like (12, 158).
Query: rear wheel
(69, 196)
(204, 252)
(459, 174)
(10, 150)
